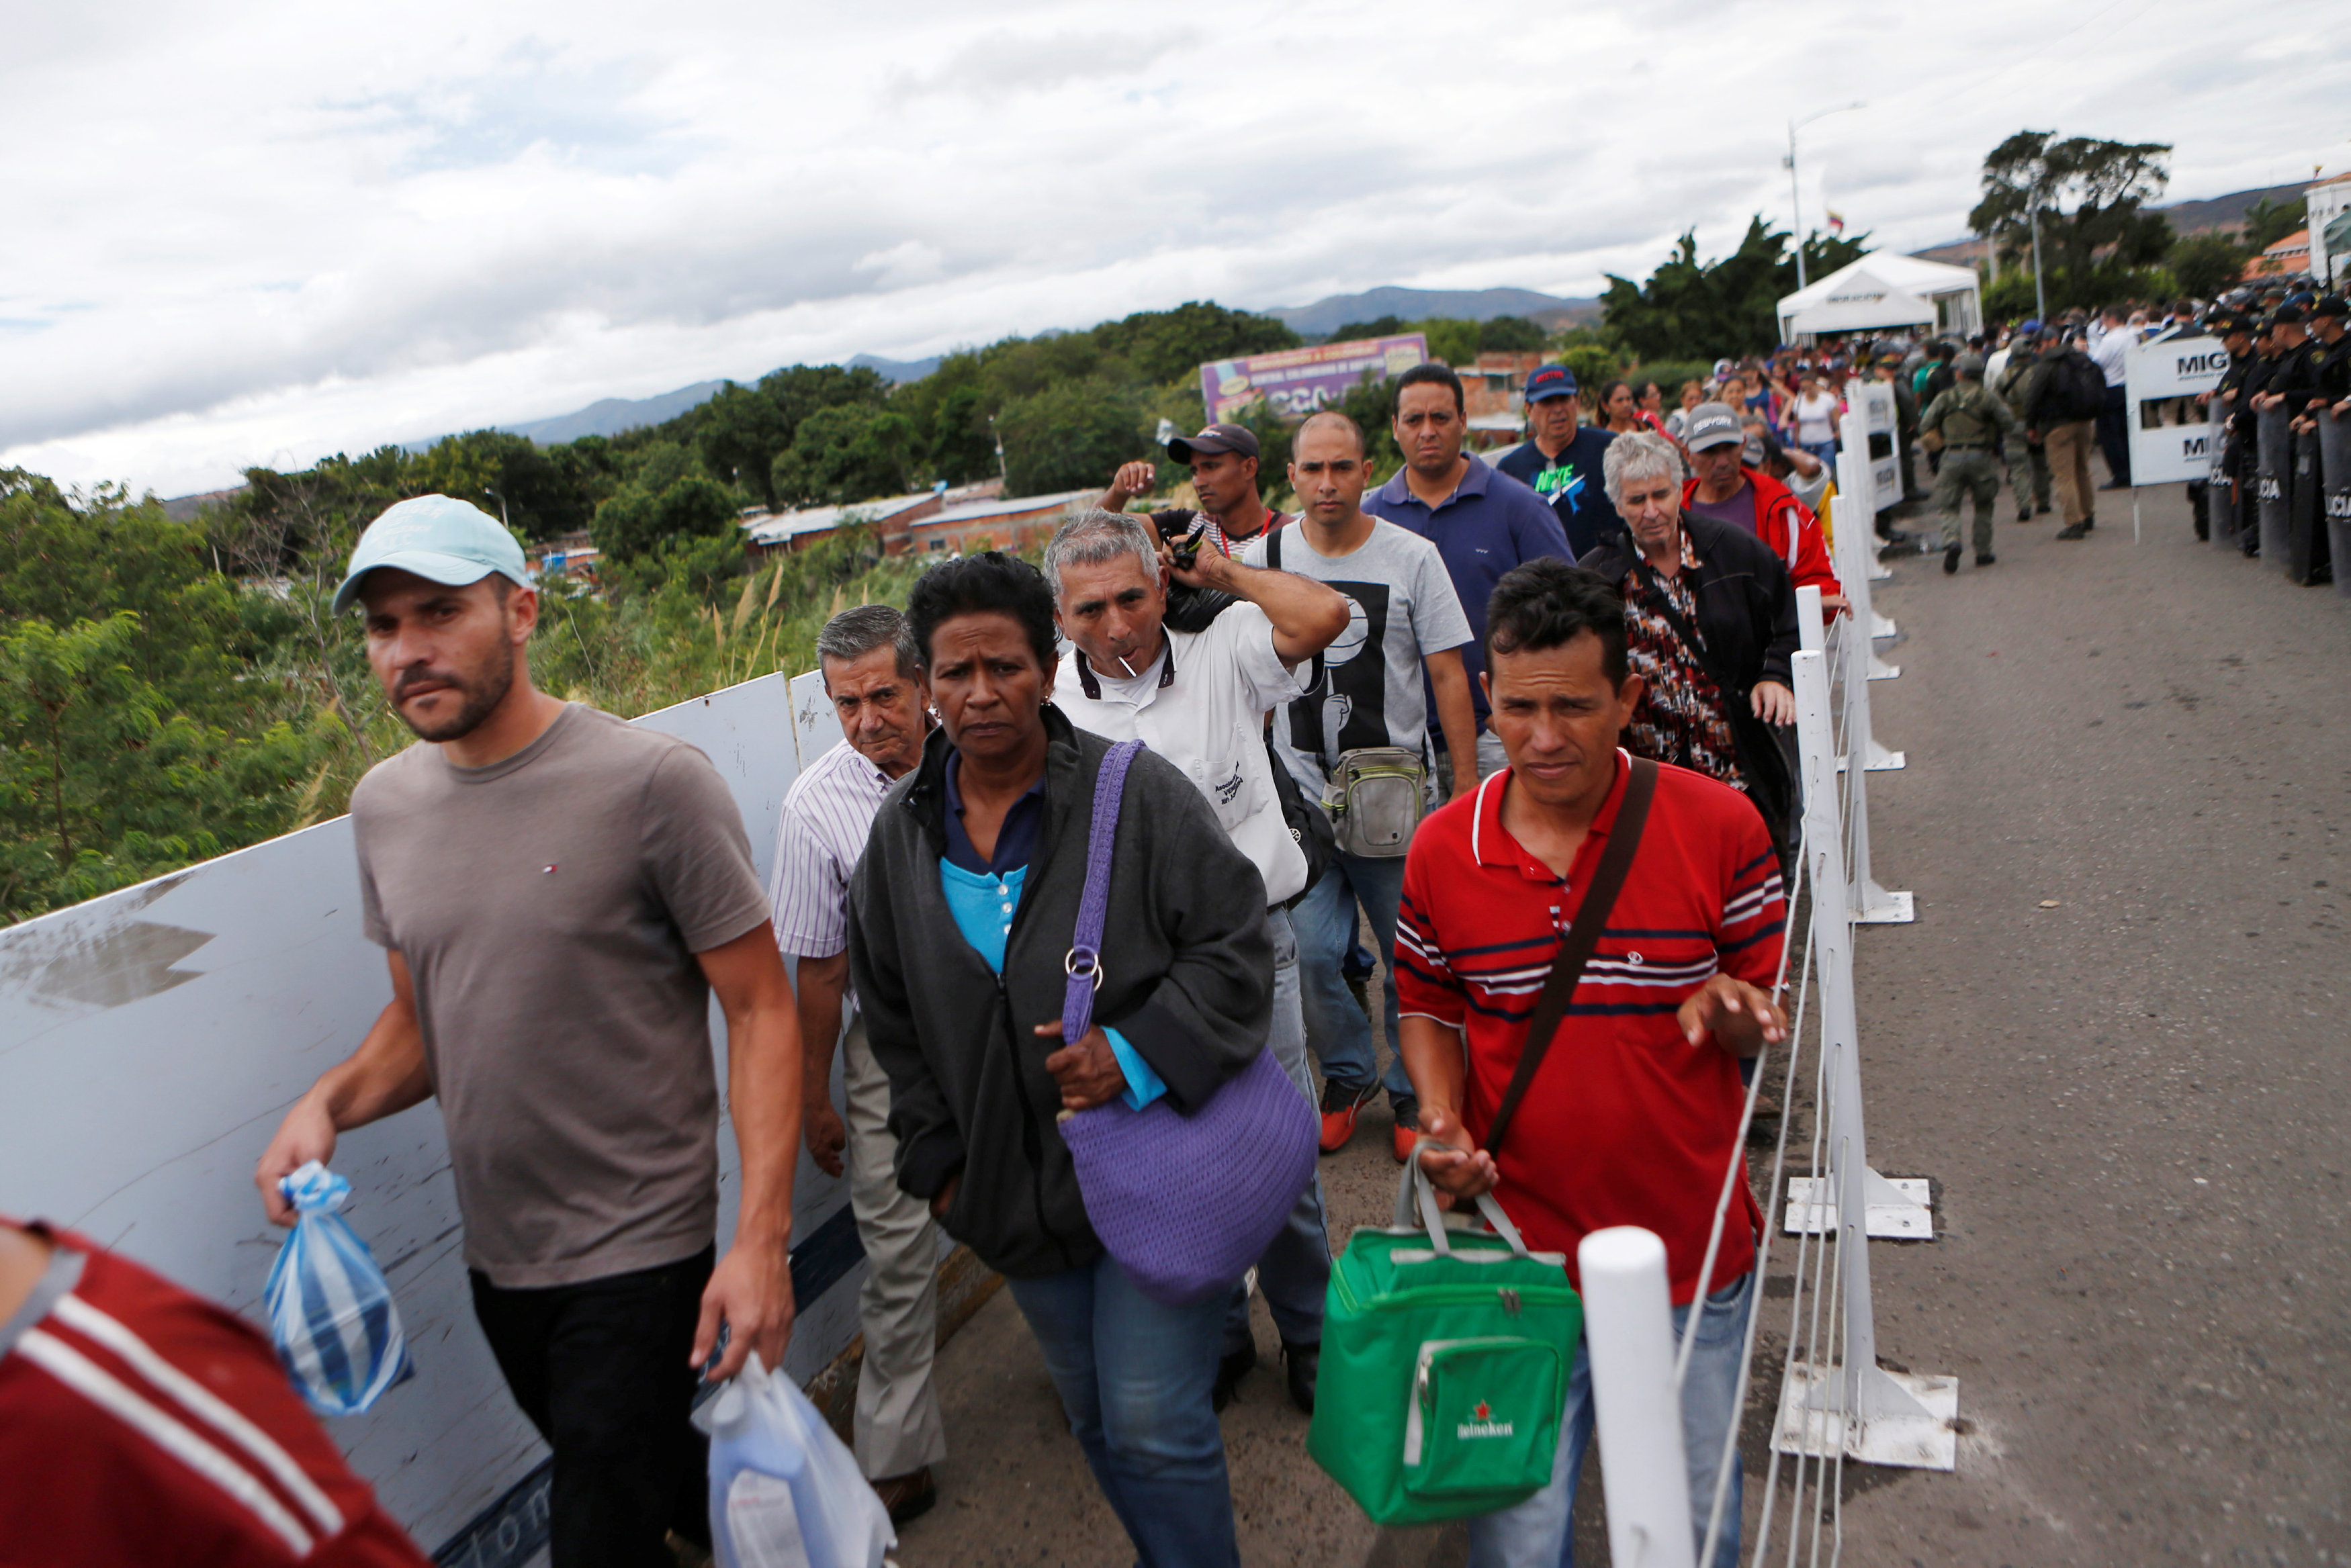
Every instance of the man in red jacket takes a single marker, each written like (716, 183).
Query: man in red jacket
(142, 1426)
(1727, 490)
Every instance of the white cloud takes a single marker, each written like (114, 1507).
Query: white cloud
(274, 228)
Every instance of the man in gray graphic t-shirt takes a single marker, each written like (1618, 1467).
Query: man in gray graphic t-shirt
(1404, 620)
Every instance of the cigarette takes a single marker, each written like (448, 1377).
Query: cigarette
(1130, 669)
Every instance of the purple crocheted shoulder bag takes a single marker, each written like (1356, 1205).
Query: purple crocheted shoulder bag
(1184, 1203)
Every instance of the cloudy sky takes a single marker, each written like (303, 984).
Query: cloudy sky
(259, 231)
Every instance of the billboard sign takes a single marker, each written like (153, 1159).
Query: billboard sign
(2169, 438)
(1295, 382)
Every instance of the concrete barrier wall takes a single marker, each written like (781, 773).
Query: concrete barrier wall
(151, 1040)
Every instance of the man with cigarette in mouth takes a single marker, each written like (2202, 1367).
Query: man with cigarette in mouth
(1200, 699)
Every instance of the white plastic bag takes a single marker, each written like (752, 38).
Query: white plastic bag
(784, 1492)
(331, 1316)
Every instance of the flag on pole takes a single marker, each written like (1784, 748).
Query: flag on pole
(1836, 222)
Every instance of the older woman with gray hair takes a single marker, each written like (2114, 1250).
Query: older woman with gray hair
(1710, 623)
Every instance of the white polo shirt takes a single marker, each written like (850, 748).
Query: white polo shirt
(1202, 706)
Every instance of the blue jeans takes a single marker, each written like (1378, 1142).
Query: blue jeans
(1824, 449)
(1134, 1378)
(1537, 1532)
(1294, 1275)
(1335, 1026)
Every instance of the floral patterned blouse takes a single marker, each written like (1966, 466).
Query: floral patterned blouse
(1681, 718)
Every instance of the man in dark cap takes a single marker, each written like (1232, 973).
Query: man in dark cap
(2063, 410)
(1223, 459)
(2310, 373)
(1973, 424)
(2290, 384)
(2330, 357)
(2244, 420)
(2236, 335)
(1560, 458)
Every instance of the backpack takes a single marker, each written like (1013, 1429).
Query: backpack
(2077, 387)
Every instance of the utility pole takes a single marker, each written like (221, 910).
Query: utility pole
(2039, 296)
(1795, 198)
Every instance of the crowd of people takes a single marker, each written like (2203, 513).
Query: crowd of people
(1387, 734)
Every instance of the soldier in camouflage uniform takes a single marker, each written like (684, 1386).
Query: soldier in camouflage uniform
(1973, 423)
(2028, 462)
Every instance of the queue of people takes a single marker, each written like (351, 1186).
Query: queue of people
(1334, 708)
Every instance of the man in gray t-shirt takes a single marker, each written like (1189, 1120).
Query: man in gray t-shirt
(1404, 620)
(559, 894)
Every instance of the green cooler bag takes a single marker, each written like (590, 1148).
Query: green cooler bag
(1446, 1355)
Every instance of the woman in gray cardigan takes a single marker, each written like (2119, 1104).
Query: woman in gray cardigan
(961, 914)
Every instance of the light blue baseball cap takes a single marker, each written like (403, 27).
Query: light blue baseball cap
(439, 538)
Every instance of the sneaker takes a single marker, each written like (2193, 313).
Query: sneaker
(2042, 510)
(2074, 531)
(1950, 560)
(1340, 1106)
(1985, 558)
(2024, 517)
(1408, 1128)
(2089, 523)
(1236, 1366)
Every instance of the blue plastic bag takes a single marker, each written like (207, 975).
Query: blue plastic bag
(331, 1316)
(785, 1492)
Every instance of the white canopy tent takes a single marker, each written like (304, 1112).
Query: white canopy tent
(1884, 289)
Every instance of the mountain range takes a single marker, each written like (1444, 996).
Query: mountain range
(1327, 315)
(612, 416)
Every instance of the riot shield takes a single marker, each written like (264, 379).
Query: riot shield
(2221, 492)
(2306, 559)
(2335, 484)
(2273, 479)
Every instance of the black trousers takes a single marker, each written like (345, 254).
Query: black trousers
(601, 1369)
(2114, 435)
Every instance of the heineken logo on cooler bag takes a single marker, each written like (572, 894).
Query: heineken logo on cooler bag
(1484, 1425)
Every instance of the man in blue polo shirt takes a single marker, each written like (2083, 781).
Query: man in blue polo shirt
(1482, 523)
(1559, 459)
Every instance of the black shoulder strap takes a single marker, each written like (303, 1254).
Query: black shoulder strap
(1273, 549)
(1583, 936)
(1663, 603)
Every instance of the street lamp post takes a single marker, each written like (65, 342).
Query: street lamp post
(1795, 198)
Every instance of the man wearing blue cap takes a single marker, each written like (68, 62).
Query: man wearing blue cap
(1559, 459)
(559, 894)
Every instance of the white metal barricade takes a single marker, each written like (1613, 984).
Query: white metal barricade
(1871, 903)
(1850, 1406)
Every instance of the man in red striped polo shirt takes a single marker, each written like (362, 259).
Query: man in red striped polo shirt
(142, 1426)
(1633, 1118)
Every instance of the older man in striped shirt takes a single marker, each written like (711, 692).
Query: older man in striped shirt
(869, 675)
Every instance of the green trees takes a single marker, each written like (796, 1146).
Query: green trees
(851, 452)
(1070, 434)
(1172, 345)
(2204, 266)
(742, 433)
(132, 737)
(2094, 251)
(2268, 222)
(1691, 309)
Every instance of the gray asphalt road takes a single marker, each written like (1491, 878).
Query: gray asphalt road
(2133, 1105)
